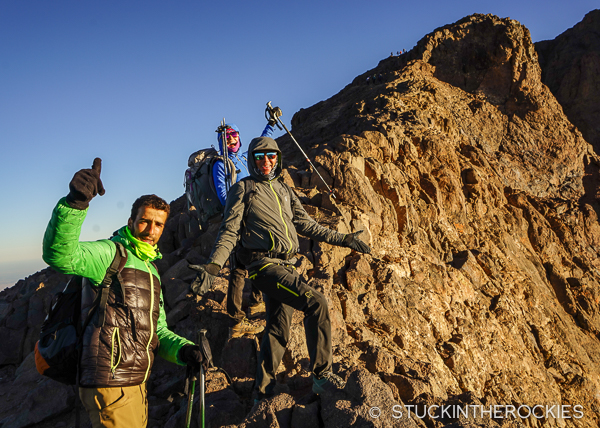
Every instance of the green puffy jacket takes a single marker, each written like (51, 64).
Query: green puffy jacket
(121, 352)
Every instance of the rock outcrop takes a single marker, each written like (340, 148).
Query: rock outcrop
(479, 198)
(571, 69)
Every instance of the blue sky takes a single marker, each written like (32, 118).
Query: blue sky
(142, 84)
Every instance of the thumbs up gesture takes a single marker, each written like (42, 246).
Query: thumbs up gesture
(85, 185)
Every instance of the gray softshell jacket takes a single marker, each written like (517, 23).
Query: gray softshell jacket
(275, 216)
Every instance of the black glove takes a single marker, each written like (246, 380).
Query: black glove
(351, 241)
(193, 357)
(85, 185)
(206, 275)
(274, 114)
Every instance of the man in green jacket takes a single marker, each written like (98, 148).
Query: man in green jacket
(119, 347)
(267, 229)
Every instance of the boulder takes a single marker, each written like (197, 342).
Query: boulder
(239, 357)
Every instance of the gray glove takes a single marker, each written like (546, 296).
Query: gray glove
(205, 277)
(351, 241)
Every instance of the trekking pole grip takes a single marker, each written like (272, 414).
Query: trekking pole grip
(273, 114)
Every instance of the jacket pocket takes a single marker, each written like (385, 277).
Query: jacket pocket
(115, 351)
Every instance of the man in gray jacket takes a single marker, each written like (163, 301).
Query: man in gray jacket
(266, 217)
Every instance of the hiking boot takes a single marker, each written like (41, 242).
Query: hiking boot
(244, 328)
(256, 310)
(328, 383)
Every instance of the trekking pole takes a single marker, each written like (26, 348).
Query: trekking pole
(201, 339)
(191, 380)
(276, 115)
(223, 131)
(226, 157)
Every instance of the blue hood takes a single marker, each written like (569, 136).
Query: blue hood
(220, 143)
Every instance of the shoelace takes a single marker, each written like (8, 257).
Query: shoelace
(245, 324)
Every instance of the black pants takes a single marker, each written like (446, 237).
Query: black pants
(285, 291)
(235, 292)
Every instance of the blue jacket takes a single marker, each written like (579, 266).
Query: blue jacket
(239, 159)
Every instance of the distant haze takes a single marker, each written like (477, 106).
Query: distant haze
(10, 271)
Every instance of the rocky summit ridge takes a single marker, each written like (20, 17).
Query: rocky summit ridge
(571, 69)
(480, 200)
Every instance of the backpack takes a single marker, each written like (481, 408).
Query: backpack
(57, 352)
(199, 185)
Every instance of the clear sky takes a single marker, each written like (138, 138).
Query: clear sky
(142, 84)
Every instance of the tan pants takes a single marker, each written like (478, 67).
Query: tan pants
(125, 407)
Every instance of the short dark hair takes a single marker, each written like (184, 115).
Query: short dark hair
(151, 201)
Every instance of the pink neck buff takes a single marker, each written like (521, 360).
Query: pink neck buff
(234, 149)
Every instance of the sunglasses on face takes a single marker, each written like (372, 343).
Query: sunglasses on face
(232, 134)
(261, 156)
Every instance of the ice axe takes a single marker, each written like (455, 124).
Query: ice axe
(275, 114)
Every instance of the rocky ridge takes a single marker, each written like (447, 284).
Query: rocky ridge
(571, 69)
(479, 198)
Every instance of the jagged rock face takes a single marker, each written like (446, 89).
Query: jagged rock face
(22, 311)
(503, 109)
(571, 69)
(479, 199)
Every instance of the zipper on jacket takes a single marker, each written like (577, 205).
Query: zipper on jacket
(151, 322)
(115, 359)
(272, 240)
(282, 219)
(279, 285)
(242, 163)
(252, 276)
